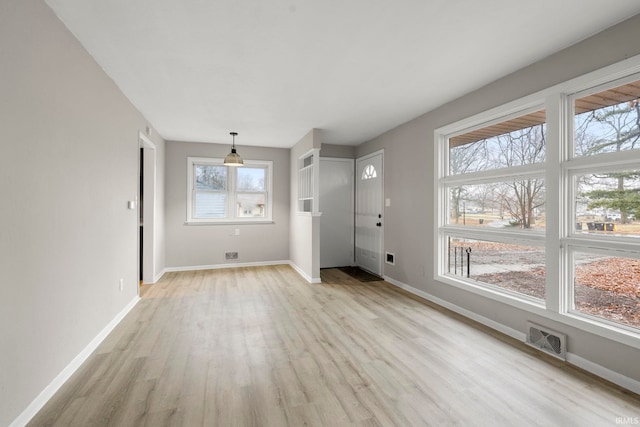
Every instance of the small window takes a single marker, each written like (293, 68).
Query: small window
(369, 172)
(218, 193)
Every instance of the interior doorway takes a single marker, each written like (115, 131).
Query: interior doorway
(368, 212)
(146, 210)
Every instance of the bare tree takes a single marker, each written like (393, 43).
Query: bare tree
(462, 159)
(523, 197)
(211, 177)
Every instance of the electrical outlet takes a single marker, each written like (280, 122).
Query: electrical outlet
(121, 284)
(231, 255)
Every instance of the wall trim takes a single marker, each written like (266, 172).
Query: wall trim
(229, 265)
(71, 368)
(573, 359)
(244, 264)
(603, 372)
(158, 276)
(304, 275)
(521, 336)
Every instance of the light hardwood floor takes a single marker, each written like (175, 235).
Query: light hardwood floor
(261, 347)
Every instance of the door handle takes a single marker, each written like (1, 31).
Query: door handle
(378, 224)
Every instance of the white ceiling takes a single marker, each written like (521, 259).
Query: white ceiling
(273, 69)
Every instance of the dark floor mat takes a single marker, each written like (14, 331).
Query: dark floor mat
(359, 274)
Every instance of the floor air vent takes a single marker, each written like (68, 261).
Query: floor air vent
(547, 340)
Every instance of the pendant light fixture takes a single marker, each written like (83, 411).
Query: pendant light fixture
(233, 158)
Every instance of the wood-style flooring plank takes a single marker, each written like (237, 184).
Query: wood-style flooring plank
(258, 346)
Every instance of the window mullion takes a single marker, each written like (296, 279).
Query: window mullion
(232, 173)
(523, 171)
(556, 126)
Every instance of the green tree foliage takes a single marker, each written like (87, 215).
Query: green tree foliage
(612, 129)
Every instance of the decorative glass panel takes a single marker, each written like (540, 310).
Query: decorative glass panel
(369, 172)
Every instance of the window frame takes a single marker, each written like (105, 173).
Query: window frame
(571, 311)
(232, 192)
(444, 181)
(560, 167)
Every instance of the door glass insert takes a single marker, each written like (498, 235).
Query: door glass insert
(369, 172)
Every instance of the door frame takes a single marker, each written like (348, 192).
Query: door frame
(147, 244)
(382, 204)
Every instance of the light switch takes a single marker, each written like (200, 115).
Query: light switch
(387, 202)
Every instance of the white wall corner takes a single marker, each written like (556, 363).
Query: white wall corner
(71, 368)
(158, 276)
(304, 275)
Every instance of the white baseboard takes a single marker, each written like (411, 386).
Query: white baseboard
(304, 275)
(73, 366)
(158, 276)
(574, 359)
(230, 265)
(606, 373)
(464, 312)
(245, 264)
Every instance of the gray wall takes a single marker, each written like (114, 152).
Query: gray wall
(68, 166)
(304, 236)
(205, 245)
(409, 183)
(339, 151)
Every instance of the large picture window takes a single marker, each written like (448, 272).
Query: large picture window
(493, 192)
(604, 184)
(548, 223)
(223, 194)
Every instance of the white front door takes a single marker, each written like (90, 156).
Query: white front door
(369, 213)
(336, 204)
